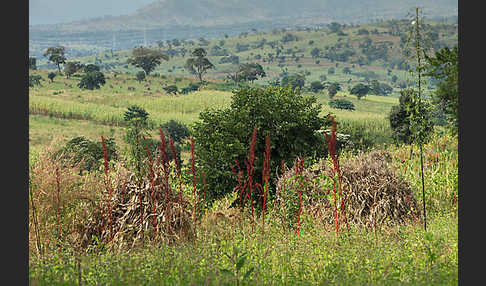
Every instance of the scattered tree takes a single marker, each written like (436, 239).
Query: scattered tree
(199, 64)
(333, 88)
(92, 80)
(56, 55)
(360, 90)
(51, 76)
(34, 80)
(146, 59)
(316, 86)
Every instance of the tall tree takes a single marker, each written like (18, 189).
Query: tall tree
(146, 58)
(419, 107)
(199, 64)
(444, 67)
(360, 90)
(56, 55)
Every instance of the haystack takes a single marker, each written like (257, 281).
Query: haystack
(373, 192)
(142, 210)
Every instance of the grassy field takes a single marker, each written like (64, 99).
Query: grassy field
(61, 109)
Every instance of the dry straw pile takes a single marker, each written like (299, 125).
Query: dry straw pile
(373, 192)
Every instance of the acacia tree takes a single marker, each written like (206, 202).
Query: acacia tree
(199, 64)
(56, 55)
(360, 90)
(146, 59)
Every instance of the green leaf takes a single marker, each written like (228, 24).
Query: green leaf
(247, 274)
(240, 262)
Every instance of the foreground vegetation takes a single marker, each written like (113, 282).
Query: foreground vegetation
(227, 251)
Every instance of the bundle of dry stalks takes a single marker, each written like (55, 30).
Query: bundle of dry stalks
(68, 207)
(142, 210)
(374, 194)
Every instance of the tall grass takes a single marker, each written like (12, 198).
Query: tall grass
(183, 108)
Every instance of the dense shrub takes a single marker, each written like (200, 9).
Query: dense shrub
(171, 89)
(223, 136)
(87, 154)
(316, 86)
(51, 76)
(34, 80)
(140, 76)
(341, 104)
(176, 130)
(92, 80)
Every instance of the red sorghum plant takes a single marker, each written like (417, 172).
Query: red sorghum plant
(265, 177)
(338, 195)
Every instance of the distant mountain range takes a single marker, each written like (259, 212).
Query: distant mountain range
(211, 13)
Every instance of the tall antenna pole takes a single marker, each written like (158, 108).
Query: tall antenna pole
(419, 71)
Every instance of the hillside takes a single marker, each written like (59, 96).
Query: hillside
(358, 53)
(185, 19)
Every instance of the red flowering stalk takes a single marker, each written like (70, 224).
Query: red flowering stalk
(107, 185)
(332, 146)
(178, 169)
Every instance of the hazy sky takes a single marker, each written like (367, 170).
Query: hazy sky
(61, 11)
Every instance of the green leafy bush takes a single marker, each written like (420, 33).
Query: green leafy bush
(223, 136)
(176, 130)
(34, 80)
(171, 89)
(341, 104)
(140, 76)
(51, 76)
(88, 154)
(92, 80)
